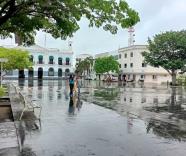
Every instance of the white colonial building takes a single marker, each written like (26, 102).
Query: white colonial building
(133, 67)
(47, 63)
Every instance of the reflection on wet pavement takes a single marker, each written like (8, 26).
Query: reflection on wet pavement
(140, 121)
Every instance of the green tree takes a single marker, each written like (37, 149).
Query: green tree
(167, 50)
(60, 17)
(17, 59)
(105, 65)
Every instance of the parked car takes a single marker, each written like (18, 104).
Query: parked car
(114, 78)
(88, 78)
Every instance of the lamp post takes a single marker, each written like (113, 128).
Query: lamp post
(2, 60)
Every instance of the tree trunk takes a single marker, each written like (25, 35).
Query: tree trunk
(18, 39)
(172, 100)
(174, 78)
(109, 78)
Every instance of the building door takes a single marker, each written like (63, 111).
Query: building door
(40, 73)
(21, 73)
(31, 72)
(51, 72)
(59, 72)
(124, 78)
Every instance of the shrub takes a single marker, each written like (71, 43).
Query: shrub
(2, 91)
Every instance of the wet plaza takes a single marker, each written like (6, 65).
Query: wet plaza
(105, 120)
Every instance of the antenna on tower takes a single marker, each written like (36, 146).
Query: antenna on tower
(131, 40)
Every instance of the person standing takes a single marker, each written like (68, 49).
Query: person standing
(78, 84)
(71, 85)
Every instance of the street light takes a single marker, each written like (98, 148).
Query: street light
(2, 60)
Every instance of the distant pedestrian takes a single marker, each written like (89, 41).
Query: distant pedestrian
(78, 84)
(71, 85)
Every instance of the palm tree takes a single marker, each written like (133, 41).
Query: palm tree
(80, 67)
(85, 65)
(88, 64)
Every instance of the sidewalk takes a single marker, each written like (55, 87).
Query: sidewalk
(8, 139)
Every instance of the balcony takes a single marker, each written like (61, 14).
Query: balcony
(60, 63)
(64, 64)
(67, 64)
(51, 62)
(40, 62)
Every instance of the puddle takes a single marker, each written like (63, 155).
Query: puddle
(140, 121)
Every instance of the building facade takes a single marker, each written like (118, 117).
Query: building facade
(47, 63)
(133, 67)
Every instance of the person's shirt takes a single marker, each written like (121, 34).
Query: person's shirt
(78, 82)
(71, 81)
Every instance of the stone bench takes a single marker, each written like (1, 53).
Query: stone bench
(28, 104)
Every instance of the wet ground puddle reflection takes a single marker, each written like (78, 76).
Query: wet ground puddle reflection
(140, 121)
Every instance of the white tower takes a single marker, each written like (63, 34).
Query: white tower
(131, 36)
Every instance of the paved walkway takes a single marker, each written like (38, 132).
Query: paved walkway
(27, 121)
(8, 136)
(11, 132)
(9, 145)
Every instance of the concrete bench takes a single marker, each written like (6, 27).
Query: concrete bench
(28, 105)
(16, 88)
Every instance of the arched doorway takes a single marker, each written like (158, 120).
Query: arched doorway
(21, 73)
(59, 72)
(67, 71)
(124, 78)
(60, 61)
(67, 61)
(31, 72)
(40, 73)
(51, 72)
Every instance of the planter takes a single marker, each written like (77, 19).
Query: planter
(5, 110)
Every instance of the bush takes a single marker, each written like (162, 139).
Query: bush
(2, 91)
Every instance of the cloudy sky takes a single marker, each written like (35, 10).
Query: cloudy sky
(156, 16)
